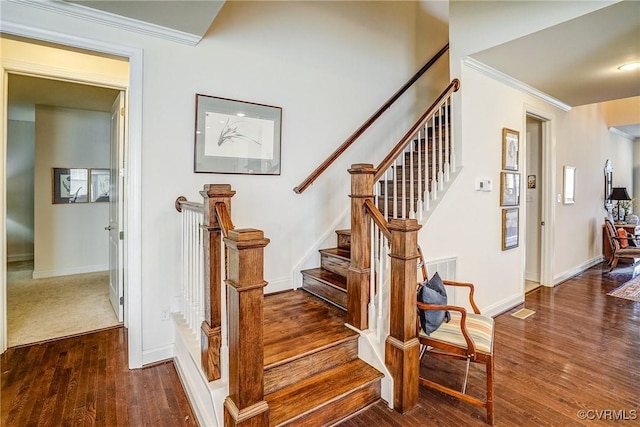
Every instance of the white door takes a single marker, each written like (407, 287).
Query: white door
(116, 235)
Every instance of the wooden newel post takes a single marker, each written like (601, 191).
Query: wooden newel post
(211, 333)
(245, 405)
(360, 266)
(402, 346)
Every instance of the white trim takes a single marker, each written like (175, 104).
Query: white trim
(548, 208)
(66, 74)
(157, 354)
(510, 81)
(20, 257)
(625, 135)
(106, 18)
(200, 392)
(577, 270)
(41, 274)
(278, 286)
(505, 304)
(133, 190)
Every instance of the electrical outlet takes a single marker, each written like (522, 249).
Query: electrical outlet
(165, 313)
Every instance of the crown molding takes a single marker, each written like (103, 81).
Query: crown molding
(510, 81)
(112, 20)
(625, 135)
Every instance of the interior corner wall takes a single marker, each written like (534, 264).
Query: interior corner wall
(468, 223)
(69, 238)
(20, 189)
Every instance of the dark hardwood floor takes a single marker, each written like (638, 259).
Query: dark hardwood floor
(580, 351)
(85, 381)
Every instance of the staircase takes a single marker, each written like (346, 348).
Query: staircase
(329, 281)
(312, 374)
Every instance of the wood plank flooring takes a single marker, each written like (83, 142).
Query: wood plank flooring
(579, 351)
(84, 380)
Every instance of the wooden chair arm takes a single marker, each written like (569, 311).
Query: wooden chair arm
(471, 347)
(476, 310)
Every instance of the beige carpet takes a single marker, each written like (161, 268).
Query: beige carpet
(42, 309)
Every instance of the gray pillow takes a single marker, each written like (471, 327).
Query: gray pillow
(433, 292)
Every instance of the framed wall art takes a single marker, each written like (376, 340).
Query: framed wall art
(510, 228)
(100, 185)
(509, 189)
(510, 149)
(569, 185)
(236, 137)
(70, 185)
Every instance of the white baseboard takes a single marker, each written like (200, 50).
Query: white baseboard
(505, 304)
(577, 270)
(278, 286)
(41, 274)
(157, 354)
(20, 257)
(206, 398)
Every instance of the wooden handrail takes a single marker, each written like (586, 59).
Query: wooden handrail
(342, 148)
(224, 219)
(182, 202)
(378, 218)
(400, 146)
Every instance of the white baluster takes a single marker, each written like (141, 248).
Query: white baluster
(452, 142)
(434, 171)
(440, 160)
(447, 142)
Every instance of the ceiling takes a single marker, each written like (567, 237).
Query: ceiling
(38, 91)
(189, 16)
(575, 62)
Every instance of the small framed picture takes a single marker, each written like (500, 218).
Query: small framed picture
(531, 181)
(69, 185)
(509, 189)
(510, 149)
(236, 137)
(510, 228)
(569, 185)
(100, 185)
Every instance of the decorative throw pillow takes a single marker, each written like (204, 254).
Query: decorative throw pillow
(622, 233)
(433, 292)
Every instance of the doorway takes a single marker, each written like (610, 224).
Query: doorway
(61, 277)
(535, 181)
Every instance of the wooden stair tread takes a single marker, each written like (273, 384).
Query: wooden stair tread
(296, 324)
(300, 398)
(337, 252)
(328, 277)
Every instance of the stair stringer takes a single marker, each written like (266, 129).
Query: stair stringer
(369, 351)
(307, 260)
(433, 204)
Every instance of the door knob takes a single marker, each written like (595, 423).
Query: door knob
(109, 228)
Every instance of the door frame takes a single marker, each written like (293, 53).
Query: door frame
(548, 208)
(133, 169)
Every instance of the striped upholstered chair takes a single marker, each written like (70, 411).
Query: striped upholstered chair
(468, 337)
(624, 245)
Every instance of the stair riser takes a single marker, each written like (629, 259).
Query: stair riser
(344, 240)
(335, 264)
(296, 370)
(332, 294)
(340, 408)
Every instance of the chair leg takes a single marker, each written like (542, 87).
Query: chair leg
(614, 262)
(490, 390)
(466, 376)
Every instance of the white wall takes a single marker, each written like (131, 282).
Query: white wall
(69, 238)
(329, 65)
(469, 223)
(20, 171)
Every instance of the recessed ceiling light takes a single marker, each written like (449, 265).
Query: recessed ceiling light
(630, 66)
(240, 114)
